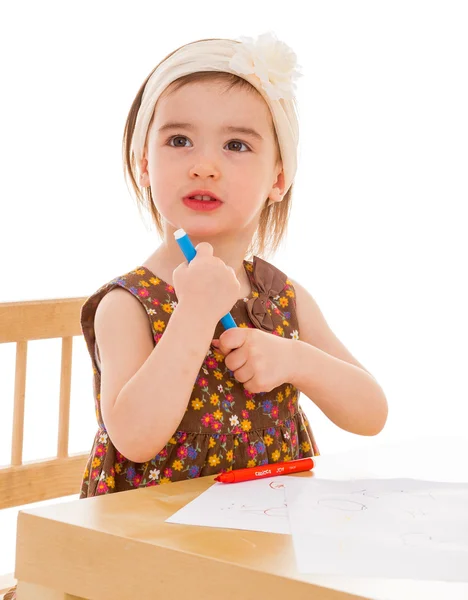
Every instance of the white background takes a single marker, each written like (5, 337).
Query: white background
(378, 227)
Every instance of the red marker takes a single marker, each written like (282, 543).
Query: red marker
(270, 470)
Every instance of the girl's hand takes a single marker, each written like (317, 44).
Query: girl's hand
(206, 284)
(261, 361)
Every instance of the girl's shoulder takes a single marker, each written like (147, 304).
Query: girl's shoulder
(116, 299)
(139, 282)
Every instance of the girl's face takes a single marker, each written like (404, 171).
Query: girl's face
(239, 167)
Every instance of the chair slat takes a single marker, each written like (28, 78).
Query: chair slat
(39, 320)
(65, 388)
(41, 480)
(18, 411)
(44, 479)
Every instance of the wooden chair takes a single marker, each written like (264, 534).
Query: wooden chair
(23, 483)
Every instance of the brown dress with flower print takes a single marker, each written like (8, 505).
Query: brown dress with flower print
(225, 427)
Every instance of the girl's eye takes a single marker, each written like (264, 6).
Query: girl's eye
(178, 137)
(182, 137)
(239, 142)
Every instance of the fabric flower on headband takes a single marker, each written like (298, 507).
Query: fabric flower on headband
(271, 60)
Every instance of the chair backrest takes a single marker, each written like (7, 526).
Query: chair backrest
(20, 322)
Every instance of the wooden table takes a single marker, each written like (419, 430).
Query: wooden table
(119, 547)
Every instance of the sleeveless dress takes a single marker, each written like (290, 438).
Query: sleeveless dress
(224, 427)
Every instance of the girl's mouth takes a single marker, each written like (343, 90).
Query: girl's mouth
(202, 205)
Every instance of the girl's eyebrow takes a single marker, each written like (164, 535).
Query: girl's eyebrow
(226, 129)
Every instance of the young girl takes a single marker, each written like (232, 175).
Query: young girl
(210, 146)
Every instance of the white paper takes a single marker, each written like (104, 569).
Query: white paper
(256, 505)
(392, 528)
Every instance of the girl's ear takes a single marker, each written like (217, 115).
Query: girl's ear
(144, 177)
(277, 191)
(274, 197)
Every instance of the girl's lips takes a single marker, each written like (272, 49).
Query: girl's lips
(202, 205)
(202, 193)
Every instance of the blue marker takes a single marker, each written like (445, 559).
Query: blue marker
(189, 252)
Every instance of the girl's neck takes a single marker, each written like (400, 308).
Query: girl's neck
(163, 265)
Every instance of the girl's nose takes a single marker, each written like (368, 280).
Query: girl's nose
(204, 170)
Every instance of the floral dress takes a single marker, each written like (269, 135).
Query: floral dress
(224, 427)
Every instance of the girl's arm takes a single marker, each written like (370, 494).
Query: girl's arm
(348, 395)
(145, 388)
(327, 372)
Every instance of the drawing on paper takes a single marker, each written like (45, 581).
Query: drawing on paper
(273, 508)
(276, 485)
(382, 494)
(341, 504)
(271, 511)
(278, 509)
(346, 504)
(412, 512)
(399, 528)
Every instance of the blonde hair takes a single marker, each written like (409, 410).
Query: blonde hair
(272, 225)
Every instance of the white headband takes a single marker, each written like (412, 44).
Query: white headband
(268, 64)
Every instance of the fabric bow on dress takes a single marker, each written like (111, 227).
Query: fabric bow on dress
(270, 282)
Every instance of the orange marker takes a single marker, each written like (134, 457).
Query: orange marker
(270, 470)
